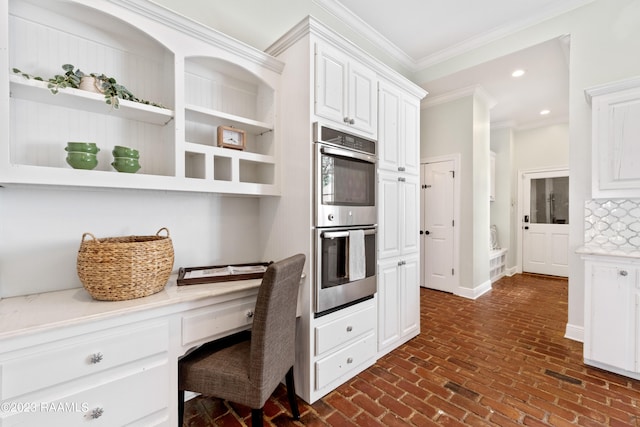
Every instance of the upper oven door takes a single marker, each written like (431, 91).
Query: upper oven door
(345, 187)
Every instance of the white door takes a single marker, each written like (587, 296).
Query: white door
(437, 225)
(545, 223)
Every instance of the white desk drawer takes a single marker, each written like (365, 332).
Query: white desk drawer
(70, 359)
(209, 323)
(340, 363)
(344, 329)
(139, 399)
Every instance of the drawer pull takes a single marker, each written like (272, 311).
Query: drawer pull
(96, 358)
(623, 273)
(350, 360)
(96, 413)
(250, 314)
(349, 328)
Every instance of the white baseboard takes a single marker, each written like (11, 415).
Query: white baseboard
(574, 332)
(475, 292)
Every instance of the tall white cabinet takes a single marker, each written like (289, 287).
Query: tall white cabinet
(330, 80)
(398, 217)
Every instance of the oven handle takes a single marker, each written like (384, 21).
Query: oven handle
(347, 153)
(336, 234)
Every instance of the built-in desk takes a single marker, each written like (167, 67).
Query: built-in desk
(66, 358)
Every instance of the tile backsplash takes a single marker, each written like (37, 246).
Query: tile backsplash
(612, 224)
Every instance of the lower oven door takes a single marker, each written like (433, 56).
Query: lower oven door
(345, 266)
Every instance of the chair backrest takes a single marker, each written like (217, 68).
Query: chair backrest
(274, 323)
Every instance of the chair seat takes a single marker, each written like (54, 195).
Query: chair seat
(223, 374)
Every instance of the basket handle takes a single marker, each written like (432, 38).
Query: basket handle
(92, 236)
(165, 229)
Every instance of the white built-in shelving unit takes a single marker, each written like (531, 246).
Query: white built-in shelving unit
(203, 79)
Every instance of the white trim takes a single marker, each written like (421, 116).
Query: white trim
(474, 293)
(574, 332)
(350, 19)
(456, 158)
(521, 178)
(453, 95)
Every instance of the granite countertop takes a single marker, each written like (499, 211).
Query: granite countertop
(39, 312)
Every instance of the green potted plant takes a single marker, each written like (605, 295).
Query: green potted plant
(74, 78)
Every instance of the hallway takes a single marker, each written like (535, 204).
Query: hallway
(499, 360)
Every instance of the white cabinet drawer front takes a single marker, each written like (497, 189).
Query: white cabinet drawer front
(345, 360)
(209, 323)
(345, 329)
(72, 360)
(137, 399)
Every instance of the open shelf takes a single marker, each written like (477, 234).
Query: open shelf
(213, 117)
(37, 91)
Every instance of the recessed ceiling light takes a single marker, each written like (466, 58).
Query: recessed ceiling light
(518, 73)
(544, 112)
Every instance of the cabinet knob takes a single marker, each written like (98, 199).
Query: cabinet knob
(96, 413)
(401, 169)
(402, 179)
(349, 328)
(349, 120)
(623, 273)
(250, 314)
(96, 358)
(350, 360)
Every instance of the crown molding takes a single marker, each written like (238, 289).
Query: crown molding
(337, 9)
(171, 19)
(474, 90)
(482, 39)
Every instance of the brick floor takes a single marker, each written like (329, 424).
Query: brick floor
(500, 360)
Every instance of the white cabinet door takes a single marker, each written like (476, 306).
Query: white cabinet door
(389, 215)
(410, 214)
(616, 139)
(410, 295)
(345, 91)
(389, 138)
(610, 315)
(398, 214)
(389, 306)
(398, 131)
(410, 134)
(398, 301)
(331, 84)
(362, 101)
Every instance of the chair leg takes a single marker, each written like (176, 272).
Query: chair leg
(180, 407)
(291, 394)
(256, 417)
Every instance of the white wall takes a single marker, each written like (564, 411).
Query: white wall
(459, 125)
(503, 206)
(447, 128)
(41, 229)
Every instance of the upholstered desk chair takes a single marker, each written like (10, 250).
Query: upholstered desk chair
(249, 372)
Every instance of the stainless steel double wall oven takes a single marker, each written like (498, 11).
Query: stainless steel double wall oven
(345, 218)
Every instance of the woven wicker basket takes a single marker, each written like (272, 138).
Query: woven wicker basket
(122, 268)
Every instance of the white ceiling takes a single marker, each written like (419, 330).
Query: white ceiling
(422, 32)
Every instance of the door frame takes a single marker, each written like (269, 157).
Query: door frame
(520, 213)
(456, 159)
